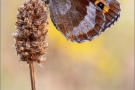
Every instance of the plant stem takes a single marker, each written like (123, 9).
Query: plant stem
(32, 75)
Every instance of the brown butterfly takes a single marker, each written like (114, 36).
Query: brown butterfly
(80, 20)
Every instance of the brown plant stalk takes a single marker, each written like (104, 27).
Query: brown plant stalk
(30, 34)
(32, 75)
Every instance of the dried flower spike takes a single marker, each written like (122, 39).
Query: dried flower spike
(30, 32)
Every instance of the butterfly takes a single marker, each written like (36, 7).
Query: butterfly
(81, 20)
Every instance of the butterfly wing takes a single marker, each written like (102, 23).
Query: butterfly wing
(112, 14)
(77, 20)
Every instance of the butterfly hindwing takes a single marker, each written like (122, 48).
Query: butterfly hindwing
(77, 20)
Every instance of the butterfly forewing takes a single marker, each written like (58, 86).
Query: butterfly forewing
(112, 14)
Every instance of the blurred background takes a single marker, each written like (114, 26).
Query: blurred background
(106, 63)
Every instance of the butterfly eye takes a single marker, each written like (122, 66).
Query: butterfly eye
(100, 5)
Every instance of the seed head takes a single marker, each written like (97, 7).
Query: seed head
(30, 32)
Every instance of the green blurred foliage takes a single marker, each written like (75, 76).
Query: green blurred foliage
(106, 63)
